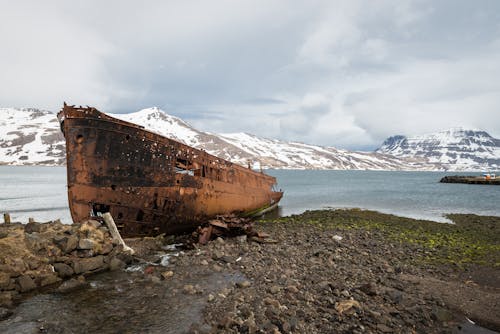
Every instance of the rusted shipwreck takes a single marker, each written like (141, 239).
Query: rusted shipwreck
(151, 184)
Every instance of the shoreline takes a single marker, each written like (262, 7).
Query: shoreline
(326, 270)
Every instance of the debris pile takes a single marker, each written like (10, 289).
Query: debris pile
(230, 226)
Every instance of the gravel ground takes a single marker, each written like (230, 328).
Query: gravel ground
(308, 277)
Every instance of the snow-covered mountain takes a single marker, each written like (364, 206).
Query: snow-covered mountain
(32, 136)
(262, 152)
(454, 149)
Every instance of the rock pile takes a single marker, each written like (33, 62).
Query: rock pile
(36, 255)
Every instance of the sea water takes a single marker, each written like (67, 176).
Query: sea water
(411, 194)
(41, 193)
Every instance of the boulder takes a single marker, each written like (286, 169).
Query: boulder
(71, 244)
(48, 279)
(72, 284)
(94, 223)
(4, 280)
(6, 298)
(85, 243)
(36, 242)
(106, 248)
(84, 265)
(25, 283)
(63, 269)
(116, 264)
(32, 227)
(66, 243)
(33, 263)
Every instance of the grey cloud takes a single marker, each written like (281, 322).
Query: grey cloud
(380, 67)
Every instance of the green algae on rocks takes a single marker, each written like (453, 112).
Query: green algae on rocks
(472, 239)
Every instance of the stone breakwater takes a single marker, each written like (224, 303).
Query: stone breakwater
(36, 255)
(470, 180)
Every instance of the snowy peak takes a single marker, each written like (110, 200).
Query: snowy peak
(394, 142)
(455, 149)
(155, 114)
(156, 120)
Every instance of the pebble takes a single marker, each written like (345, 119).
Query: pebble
(189, 289)
(274, 289)
(244, 284)
(167, 274)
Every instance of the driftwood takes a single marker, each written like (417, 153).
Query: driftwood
(117, 238)
(6, 218)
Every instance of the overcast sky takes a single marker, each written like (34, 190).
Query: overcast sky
(338, 73)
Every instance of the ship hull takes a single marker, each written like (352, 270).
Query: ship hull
(149, 183)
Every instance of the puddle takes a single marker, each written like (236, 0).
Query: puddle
(120, 302)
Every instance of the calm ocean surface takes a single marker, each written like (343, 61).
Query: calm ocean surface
(40, 192)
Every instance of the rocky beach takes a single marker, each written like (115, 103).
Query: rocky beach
(331, 271)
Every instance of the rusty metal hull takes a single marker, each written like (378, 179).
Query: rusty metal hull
(149, 183)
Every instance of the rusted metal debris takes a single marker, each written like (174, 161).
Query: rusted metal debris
(151, 184)
(228, 225)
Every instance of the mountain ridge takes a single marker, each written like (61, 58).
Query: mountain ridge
(30, 136)
(455, 148)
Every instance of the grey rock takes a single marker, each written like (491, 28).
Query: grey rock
(49, 279)
(72, 284)
(32, 227)
(244, 284)
(370, 289)
(88, 264)
(25, 283)
(71, 244)
(5, 298)
(227, 259)
(217, 255)
(345, 293)
(4, 280)
(94, 223)
(394, 296)
(384, 328)
(242, 238)
(274, 289)
(106, 248)
(116, 264)
(63, 269)
(441, 314)
(189, 289)
(85, 243)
